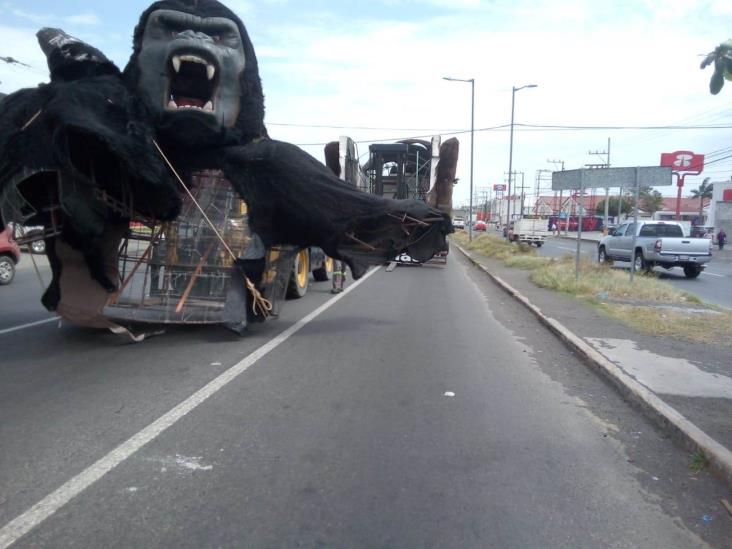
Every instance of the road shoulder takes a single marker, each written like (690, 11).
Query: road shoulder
(698, 421)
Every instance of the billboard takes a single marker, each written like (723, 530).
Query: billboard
(683, 162)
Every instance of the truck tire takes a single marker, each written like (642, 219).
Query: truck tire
(7, 270)
(322, 274)
(692, 271)
(298, 285)
(602, 257)
(539, 244)
(641, 265)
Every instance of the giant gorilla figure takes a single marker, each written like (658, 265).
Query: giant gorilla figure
(192, 85)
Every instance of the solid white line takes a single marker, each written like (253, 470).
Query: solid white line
(29, 325)
(24, 523)
(712, 274)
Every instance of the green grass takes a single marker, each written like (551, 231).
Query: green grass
(699, 462)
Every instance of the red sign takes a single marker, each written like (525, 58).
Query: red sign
(727, 195)
(683, 162)
(499, 188)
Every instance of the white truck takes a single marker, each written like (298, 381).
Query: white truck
(657, 243)
(531, 231)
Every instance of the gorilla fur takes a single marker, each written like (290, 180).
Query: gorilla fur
(89, 133)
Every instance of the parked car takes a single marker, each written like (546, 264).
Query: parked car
(458, 222)
(657, 243)
(9, 256)
(480, 226)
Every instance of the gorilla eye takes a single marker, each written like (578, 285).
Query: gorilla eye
(216, 38)
(174, 34)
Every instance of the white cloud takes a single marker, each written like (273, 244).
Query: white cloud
(592, 67)
(82, 19)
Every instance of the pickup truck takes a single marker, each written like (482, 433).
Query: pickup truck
(658, 243)
(531, 231)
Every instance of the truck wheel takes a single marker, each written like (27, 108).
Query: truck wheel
(298, 285)
(640, 263)
(7, 270)
(602, 257)
(692, 271)
(322, 274)
(539, 244)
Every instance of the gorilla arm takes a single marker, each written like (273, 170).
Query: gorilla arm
(294, 199)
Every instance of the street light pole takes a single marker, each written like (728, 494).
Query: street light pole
(514, 89)
(472, 135)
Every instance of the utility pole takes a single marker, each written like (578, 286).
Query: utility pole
(605, 165)
(521, 215)
(559, 214)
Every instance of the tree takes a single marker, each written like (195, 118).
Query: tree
(721, 57)
(705, 190)
(625, 206)
(650, 200)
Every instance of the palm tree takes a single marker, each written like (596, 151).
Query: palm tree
(705, 190)
(721, 57)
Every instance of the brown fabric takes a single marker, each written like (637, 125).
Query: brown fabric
(440, 196)
(82, 298)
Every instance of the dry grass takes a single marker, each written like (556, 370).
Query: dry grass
(712, 327)
(602, 285)
(491, 245)
(599, 281)
(528, 262)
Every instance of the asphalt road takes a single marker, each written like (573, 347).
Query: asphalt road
(422, 408)
(714, 285)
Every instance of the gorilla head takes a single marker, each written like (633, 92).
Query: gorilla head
(195, 69)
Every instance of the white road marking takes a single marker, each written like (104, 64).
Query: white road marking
(29, 325)
(24, 523)
(713, 274)
(449, 394)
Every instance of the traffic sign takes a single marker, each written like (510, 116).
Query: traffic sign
(500, 187)
(601, 178)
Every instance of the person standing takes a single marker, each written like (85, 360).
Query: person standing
(721, 238)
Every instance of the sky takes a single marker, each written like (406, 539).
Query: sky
(374, 71)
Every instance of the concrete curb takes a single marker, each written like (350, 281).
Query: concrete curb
(720, 457)
(574, 238)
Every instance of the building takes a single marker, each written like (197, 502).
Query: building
(689, 211)
(720, 211)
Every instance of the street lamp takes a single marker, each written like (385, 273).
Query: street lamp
(510, 151)
(472, 131)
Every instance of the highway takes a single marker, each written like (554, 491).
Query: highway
(421, 408)
(712, 286)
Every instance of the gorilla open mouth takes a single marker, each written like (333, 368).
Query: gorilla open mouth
(193, 83)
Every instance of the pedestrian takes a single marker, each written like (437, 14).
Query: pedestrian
(339, 276)
(721, 238)
(554, 229)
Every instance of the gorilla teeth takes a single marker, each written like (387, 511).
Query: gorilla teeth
(208, 106)
(210, 71)
(176, 63)
(172, 104)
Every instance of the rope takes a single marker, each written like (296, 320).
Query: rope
(38, 273)
(260, 305)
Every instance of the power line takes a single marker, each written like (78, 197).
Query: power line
(534, 128)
